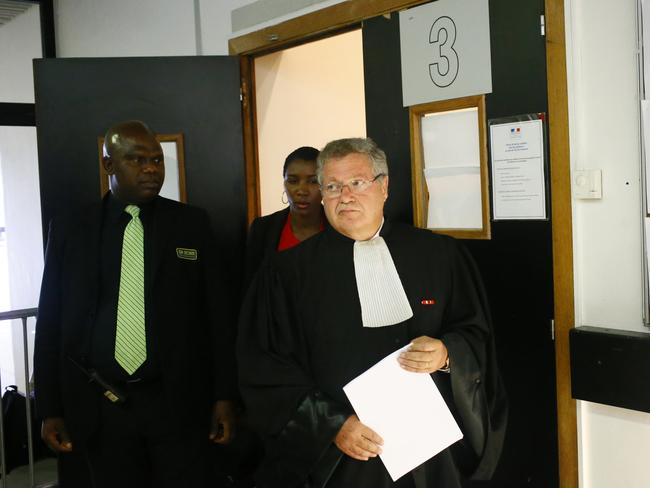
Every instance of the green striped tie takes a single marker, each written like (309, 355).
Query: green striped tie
(130, 342)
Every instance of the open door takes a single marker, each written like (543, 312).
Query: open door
(197, 97)
(517, 262)
(527, 265)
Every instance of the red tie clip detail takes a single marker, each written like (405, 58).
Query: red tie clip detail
(428, 301)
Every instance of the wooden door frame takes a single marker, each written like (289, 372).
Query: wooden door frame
(350, 12)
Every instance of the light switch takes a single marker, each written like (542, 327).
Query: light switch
(587, 184)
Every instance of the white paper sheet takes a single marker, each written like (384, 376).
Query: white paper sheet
(406, 410)
(451, 138)
(452, 169)
(454, 198)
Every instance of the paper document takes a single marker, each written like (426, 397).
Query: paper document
(518, 179)
(454, 198)
(406, 410)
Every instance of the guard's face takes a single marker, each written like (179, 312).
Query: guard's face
(136, 169)
(356, 215)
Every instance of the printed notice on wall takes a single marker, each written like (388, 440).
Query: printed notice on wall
(518, 178)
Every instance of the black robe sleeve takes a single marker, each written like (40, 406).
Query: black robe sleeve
(297, 421)
(477, 389)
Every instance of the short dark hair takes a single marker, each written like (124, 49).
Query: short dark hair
(306, 153)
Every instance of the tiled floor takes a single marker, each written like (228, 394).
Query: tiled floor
(44, 475)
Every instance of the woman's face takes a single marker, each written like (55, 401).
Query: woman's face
(302, 187)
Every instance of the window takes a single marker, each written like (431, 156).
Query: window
(449, 167)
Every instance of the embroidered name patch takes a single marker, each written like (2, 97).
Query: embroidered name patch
(189, 254)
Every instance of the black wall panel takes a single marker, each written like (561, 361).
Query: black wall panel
(78, 99)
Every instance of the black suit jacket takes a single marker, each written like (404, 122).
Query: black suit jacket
(192, 318)
(263, 239)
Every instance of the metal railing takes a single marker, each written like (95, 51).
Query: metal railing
(22, 315)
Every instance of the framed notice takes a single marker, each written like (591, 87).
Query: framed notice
(519, 169)
(174, 154)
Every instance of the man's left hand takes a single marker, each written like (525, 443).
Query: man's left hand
(222, 429)
(425, 355)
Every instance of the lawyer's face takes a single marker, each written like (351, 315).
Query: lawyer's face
(136, 167)
(358, 210)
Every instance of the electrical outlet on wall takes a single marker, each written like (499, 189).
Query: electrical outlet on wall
(587, 184)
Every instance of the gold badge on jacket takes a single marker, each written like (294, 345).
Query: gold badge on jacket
(189, 254)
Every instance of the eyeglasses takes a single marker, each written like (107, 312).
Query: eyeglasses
(356, 186)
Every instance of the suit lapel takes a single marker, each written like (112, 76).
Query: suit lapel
(92, 249)
(160, 235)
(86, 249)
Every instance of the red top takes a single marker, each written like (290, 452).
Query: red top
(287, 238)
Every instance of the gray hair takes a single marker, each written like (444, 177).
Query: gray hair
(342, 147)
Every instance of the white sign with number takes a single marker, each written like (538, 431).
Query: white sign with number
(445, 51)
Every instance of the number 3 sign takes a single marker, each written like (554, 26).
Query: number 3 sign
(444, 69)
(445, 49)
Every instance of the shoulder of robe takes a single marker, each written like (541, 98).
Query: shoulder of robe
(415, 236)
(299, 257)
(267, 221)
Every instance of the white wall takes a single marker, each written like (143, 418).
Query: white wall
(604, 127)
(22, 253)
(100, 28)
(22, 217)
(216, 19)
(20, 43)
(306, 96)
(97, 28)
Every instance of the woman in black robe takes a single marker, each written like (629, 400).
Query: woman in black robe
(302, 218)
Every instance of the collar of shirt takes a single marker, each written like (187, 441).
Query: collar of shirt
(114, 209)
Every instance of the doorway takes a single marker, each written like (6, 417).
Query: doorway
(550, 293)
(290, 116)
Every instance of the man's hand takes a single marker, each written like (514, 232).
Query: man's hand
(425, 355)
(222, 429)
(358, 441)
(55, 435)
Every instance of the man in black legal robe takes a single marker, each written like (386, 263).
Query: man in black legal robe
(320, 314)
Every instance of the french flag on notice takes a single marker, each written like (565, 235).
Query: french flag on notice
(516, 130)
